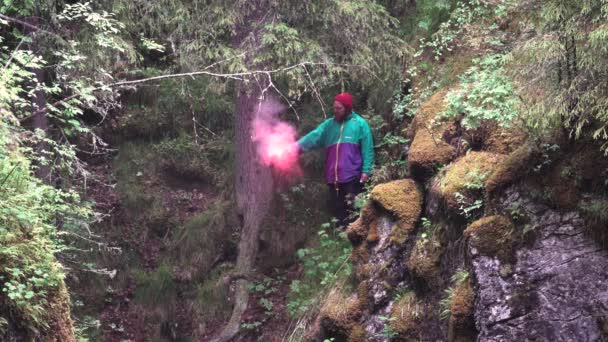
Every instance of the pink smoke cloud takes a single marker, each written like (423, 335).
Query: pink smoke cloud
(276, 139)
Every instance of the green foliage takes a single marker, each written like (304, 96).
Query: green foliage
(475, 180)
(429, 230)
(469, 209)
(29, 239)
(485, 94)
(388, 331)
(560, 79)
(323, 266)
(197, 242)
(595, 210)
(463, 13)
(446, 302)
(184, 158)
(334, 44)
(155, 287)
(212, 297)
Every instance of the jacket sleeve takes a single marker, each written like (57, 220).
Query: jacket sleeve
(367, 148)
(313, 139)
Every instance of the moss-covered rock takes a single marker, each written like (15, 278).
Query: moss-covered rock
(406, 316)
(357, 334)
(492, 236)
(461, 324)
(502, 140)
(340, 312)
(467, 177)
(403, 199)
(61, 327)
(423, 262)
(428, 150)
(365, 227)
(510, 168)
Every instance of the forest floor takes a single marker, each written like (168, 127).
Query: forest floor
(121, 316)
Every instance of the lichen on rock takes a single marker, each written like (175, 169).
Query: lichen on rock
(403, 199)
(492, 236)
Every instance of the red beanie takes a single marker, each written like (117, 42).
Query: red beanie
(346, 99)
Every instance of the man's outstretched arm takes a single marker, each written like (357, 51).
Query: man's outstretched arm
(313, 139)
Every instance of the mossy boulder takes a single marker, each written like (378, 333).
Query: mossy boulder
(465, 178)
(511, 168)
(492, 236)
(462, 324)
(423, 262)
(340, 312)
(365, 227)
(428, 150)
(406, 316)
(502, 140)
(403, 199)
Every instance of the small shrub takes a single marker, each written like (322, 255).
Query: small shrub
(486, 93)
(323, 266)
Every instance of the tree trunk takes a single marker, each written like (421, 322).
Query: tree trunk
(254, 192)
(39, 120)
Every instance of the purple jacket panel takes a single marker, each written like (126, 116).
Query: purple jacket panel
(350, 163)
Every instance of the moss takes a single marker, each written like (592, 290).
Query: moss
(197, 242)
(357, 334)
(492, 236)
(368, 213)
(340, 312)
(503, 140)
(427, 112)
(423, 262)
(461, 311)
(403, 199)
(466, 175)
(365, 227)
(510, 168)
(61, 327)
(363, 293)
(428, 150)
(356, 232)
(372, 235)
(427, 153)
(359, 258)
(563, 190)
(406, 316)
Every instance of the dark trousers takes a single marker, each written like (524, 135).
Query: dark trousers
(341, 200)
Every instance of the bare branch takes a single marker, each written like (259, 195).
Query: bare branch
(237, 76)
(28, 25)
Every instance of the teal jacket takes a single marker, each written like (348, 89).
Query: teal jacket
(349, 147)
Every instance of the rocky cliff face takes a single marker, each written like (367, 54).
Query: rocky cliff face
(557, 288)
(479, 249)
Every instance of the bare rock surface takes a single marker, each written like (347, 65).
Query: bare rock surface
(556, 290)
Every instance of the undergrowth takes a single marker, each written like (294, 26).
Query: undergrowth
(323, 266)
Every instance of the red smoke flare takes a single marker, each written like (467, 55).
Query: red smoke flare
(276, 140)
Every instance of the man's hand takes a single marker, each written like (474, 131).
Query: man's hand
(364, 178)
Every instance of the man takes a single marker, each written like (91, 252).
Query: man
(349, 154)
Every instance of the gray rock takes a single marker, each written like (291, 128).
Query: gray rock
(558, 288)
